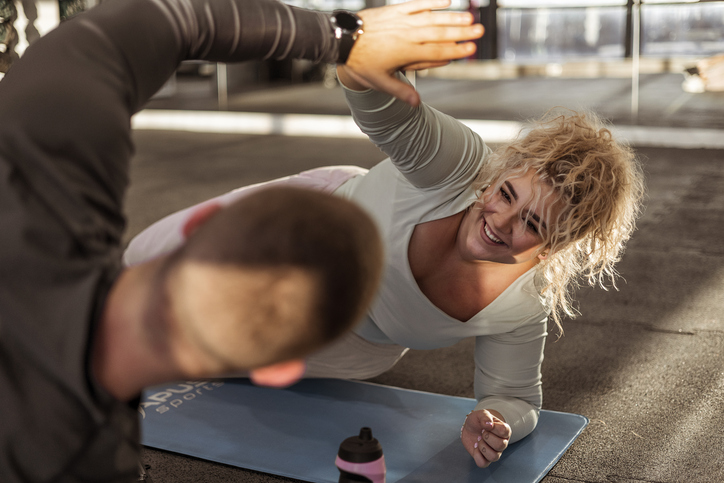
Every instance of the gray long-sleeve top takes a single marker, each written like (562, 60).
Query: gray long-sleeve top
(433, 160)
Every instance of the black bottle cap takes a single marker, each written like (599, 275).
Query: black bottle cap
(360, 449)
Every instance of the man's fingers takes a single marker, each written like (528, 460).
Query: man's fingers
(441, 52)
(381, 20)
(400, 14)
(444, 34)
(433, 19)
(453, 19)
(416, 6)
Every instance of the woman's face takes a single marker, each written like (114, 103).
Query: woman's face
(505, 227)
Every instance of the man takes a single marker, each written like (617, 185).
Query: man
(79, 337)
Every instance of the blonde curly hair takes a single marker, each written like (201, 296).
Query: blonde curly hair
(597, 189)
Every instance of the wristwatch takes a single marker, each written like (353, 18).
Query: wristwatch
(347, 27)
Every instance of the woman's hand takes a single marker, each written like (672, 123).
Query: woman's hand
(485, 435)
(408, 36)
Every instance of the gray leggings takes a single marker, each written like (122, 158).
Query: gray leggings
(352, 357)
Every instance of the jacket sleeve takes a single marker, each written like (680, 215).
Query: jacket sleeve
(66, 104)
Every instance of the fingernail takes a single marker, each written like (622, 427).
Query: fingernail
(479, 438)
(489, 424)
(476, 445)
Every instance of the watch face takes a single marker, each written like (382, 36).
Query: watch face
(347, 21)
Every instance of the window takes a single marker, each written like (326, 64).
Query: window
(682, 29)
(557, 34)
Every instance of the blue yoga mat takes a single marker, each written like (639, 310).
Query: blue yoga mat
(296, 432)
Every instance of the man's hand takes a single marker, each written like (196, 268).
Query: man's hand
(485, 435)
(408, 36)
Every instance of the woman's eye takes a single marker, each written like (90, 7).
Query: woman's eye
(532, 227)
(505, 195)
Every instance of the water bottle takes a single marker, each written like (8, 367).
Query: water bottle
(360, 459)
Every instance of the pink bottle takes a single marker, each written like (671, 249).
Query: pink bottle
(360, 459)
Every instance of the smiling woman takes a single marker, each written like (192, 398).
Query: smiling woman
(591, 187)
(509, 220)
(477, 244)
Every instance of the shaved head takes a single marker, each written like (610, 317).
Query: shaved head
(273, 276)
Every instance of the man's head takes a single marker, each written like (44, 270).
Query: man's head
(270, 278)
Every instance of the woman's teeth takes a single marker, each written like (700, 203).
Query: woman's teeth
(491, 236)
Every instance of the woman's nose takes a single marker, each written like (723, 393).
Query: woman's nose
(506, 220)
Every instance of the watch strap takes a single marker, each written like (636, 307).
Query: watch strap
(347, 27)
(346, 42)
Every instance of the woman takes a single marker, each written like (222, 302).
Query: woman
(478, 244)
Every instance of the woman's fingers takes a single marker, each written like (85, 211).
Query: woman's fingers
(483, 453)
(490, 455)
(495, 442)
(501, 430)
(490, 448)
(485, 437)
(408, 34)
(425, 65)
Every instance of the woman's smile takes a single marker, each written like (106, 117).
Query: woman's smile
(505, 226)
(487, 232)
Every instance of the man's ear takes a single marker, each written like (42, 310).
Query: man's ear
(198, 217)
(281, 374)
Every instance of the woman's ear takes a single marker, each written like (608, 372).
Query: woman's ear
(199, 216)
